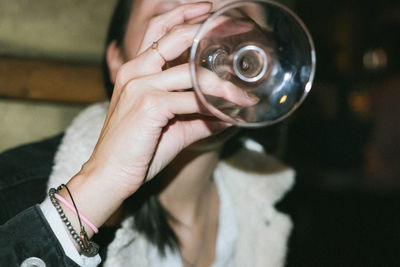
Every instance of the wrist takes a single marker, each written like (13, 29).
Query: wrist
(93, 199)
(112, 180)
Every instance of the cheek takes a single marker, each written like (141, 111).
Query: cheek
(136, 28)
(133, 39)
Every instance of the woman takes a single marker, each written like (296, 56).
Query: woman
(209, 213)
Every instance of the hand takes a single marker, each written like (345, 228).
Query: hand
(147, 124)
(141, 134)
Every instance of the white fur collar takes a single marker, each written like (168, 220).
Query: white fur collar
(255, 182)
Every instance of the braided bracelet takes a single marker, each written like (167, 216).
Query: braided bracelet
(88, 248)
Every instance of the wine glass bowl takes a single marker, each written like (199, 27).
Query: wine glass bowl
(252, 63)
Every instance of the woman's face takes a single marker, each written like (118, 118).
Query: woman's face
(142, 12)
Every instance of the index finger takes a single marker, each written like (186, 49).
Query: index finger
(163, 23)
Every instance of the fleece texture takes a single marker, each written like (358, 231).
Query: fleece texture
(254, 180)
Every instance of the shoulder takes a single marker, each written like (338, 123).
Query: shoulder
(23, 175)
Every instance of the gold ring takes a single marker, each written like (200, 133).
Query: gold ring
(154, 46)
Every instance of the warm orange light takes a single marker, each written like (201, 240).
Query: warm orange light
(203, 60)
(283, 99)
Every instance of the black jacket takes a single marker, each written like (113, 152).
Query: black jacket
(24, 231)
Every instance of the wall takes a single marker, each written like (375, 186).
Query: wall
(70, 31)
(26, 121)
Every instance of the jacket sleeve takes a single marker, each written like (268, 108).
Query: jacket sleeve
(28, 235)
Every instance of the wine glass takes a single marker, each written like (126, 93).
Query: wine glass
(252, 63)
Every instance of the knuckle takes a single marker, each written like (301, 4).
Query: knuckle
(119, 76)
(159, 22)
(165, 28)
(127, 90)
(179, 29)
(131, 85)
(149, 101)
(184, 33)
(122, 73)
(128, 71)
(154, 21)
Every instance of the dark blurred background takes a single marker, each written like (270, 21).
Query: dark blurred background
(344, 142)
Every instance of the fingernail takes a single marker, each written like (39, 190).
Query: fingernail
(199, 19)
(220, 126)
(208, 4)
(198, 8)
(252, 97)
(204, 2)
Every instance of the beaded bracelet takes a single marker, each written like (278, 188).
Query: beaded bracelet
(88, 248)
(71, 208)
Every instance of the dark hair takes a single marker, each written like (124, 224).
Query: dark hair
(116, 32)
(150, 218)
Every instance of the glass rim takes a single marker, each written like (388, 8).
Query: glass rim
(215, 111)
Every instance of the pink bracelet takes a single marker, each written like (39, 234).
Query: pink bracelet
(66, 203)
